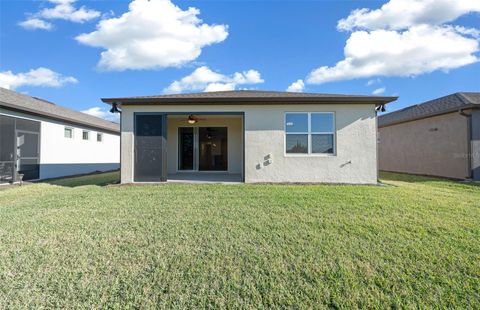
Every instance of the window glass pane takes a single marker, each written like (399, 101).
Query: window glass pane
(297, 143)
(322, 122)
(68, 132)
(296, 122)
(186, 151)
(99, 137)
(85, 135)
(322, 144)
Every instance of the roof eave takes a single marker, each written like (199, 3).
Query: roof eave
(239, 100)
(13, 107)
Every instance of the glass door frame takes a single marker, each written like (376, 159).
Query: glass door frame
(196, 150)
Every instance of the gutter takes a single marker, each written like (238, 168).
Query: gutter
(469, 142)
(378, 101)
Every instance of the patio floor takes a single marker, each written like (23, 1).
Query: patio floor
(205, 177)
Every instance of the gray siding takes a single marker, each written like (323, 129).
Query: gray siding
(436, 146)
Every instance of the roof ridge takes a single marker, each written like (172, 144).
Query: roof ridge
(462, 97)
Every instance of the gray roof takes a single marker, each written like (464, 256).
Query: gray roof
(443, 105)
(31, 105)
(248, 97)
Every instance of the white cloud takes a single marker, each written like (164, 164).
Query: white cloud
(62, 9)
(379, 91)
(35, 77)
(473, 32)
(35, 23)
(103, 113)
(204, 79)
(402, 14)
(152, 35)
(297, 86)
(373, 81)
(404, 38)
(65, 10)
(418, 50)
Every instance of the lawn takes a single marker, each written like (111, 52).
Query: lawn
(80, 243)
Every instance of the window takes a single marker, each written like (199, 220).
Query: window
(99, 137)
(85, 135)
(68, 133)
(309, 133)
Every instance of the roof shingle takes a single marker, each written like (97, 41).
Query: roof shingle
(37, 106)
(430, 108)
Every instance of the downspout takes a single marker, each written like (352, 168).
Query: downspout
(469, 142)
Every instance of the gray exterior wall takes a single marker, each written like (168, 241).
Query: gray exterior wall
(476, 144)
(436, 146)
(355, 159)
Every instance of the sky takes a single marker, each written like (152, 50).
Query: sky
(75, 52)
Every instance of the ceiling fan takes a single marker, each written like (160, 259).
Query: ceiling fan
(192, 119)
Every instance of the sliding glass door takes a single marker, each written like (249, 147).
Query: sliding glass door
(212, 149)
(202, 149)
(186, 148)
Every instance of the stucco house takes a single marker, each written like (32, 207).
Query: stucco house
(42, 140)
(249, 136)
(440, 137)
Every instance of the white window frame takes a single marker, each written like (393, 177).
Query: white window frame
(99, 134)
(88, 135)
(309, 134)
(71, 130)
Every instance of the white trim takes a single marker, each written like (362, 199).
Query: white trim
(309, 134)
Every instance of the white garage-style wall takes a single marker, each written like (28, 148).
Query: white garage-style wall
(60, 156)
(355, 159)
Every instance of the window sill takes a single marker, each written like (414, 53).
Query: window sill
(309, 155)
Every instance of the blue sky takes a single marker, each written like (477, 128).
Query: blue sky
(269, 44)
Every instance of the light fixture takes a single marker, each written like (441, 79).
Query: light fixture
(380, 108)
(192, 119)
(114, 108)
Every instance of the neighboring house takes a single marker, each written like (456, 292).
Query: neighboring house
(440, 137)
(249, 136)
(42, 140)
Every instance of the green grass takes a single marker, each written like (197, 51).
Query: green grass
(76, 243)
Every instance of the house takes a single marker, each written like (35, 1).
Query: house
(440, 137)
(249, 136)
(41, 140)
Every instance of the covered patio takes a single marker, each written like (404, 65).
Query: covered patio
(189, 147)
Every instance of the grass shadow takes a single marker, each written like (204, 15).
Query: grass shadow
(386, 176)
(96, 179)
